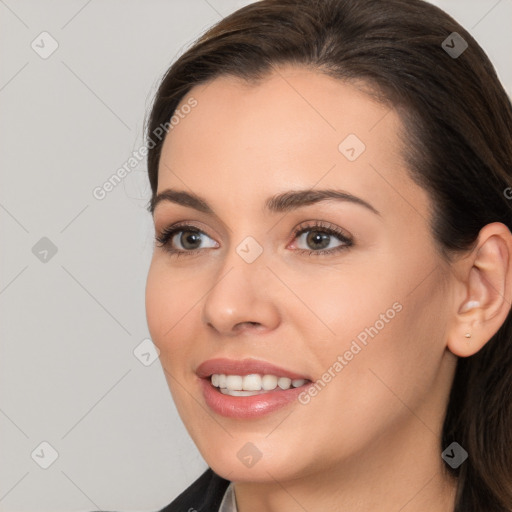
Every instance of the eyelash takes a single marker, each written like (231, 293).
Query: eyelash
(322, 227)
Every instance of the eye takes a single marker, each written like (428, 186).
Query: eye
(185, 240)
(320, 236)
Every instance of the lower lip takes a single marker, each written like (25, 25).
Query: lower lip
(248, 406)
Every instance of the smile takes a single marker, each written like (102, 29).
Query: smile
(252, 384)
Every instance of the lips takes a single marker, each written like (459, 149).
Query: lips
(247, 407)
(245, 367)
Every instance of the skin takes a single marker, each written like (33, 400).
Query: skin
(377, 425)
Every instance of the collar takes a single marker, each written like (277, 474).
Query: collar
(228, 503)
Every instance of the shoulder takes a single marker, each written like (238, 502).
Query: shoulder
(203, 495)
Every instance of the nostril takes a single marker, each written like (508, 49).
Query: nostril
(242, 325)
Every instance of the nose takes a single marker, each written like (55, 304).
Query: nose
(241, 298)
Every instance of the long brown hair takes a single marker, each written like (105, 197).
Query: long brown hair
(458, 122)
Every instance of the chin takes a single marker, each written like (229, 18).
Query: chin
(240, 460)
(262, 471)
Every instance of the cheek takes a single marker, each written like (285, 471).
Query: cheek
(365, 393)
(169, 302)
(396, 353)
(349, 301)
(169, 309)
(156, 298)
(389, 332)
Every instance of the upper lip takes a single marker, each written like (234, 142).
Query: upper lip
(244, 367)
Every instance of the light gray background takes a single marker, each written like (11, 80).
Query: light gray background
(69, 326)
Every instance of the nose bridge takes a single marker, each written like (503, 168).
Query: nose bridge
(246, 257)
(240, 293)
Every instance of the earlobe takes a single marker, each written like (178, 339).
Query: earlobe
(486, 290)
(467, 306)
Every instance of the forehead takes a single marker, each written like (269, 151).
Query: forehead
(295, 129)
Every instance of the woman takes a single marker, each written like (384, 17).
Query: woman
(331, 284)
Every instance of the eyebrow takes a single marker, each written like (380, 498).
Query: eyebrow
(280, 203)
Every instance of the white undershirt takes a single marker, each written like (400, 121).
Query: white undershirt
(228, 503)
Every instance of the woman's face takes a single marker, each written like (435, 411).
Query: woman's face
(363, 321)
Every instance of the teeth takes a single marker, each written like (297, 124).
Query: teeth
(284, 383)
(252, 384)
(269, 382)
(239, 393)
(234, 382)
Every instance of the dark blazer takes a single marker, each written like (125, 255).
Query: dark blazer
(204, 495)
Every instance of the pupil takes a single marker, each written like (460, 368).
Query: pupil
(317, 237)
(188, 237)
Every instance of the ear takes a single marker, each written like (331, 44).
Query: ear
(483, 291)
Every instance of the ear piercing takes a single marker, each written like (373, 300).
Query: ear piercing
(469, 305)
